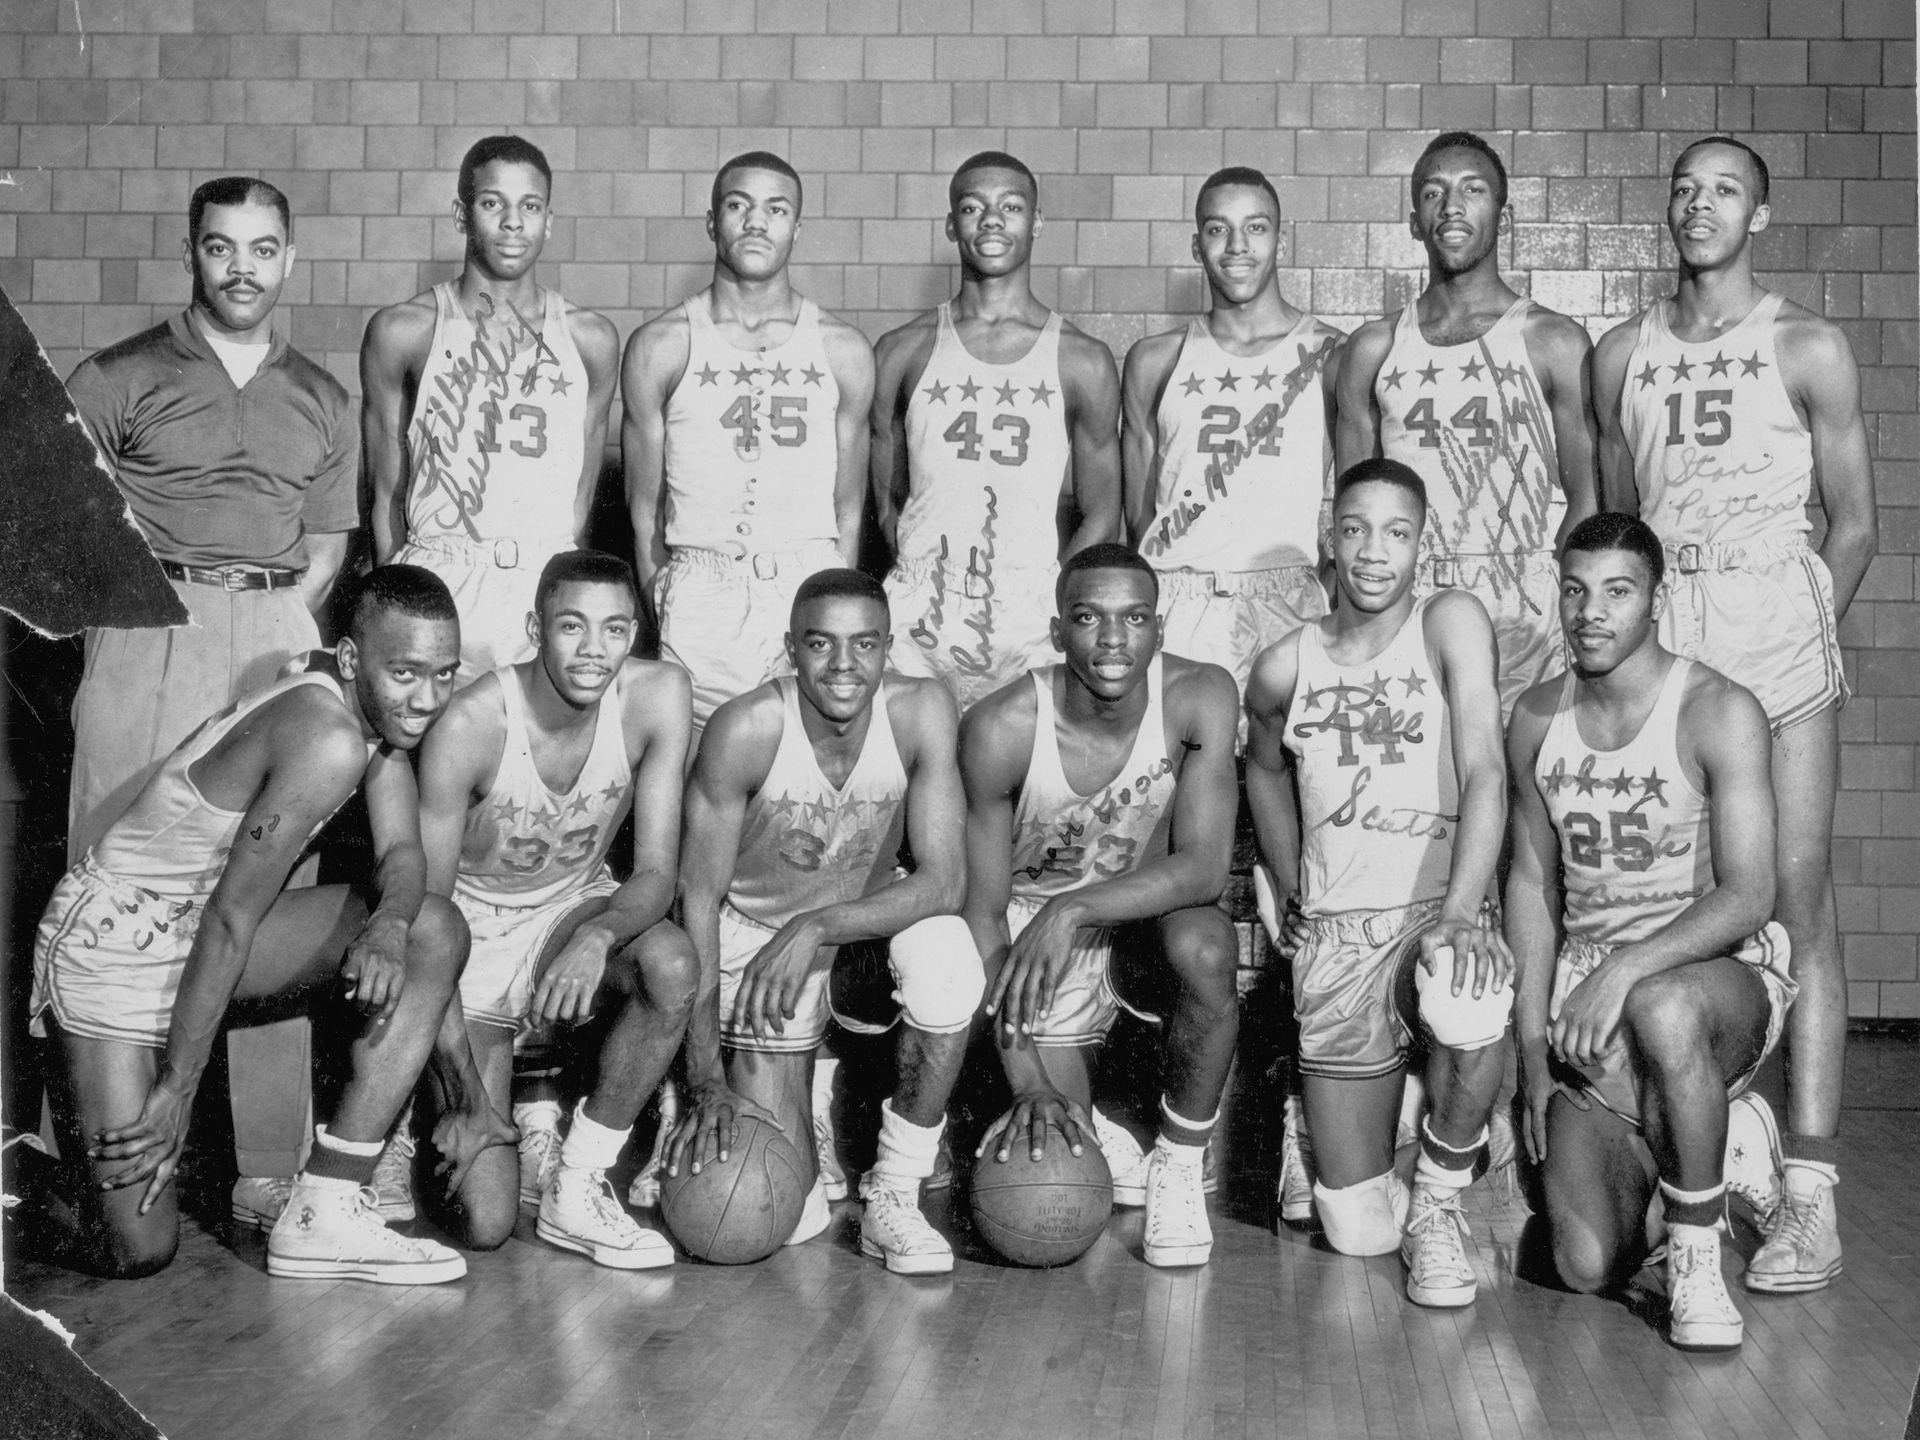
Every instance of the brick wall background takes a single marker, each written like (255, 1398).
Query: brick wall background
(110, 110)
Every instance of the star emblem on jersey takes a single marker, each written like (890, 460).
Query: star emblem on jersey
(968, 390)
(1718, 365)
(559, 384)
(1753, 365)
(787, 806)
(1506, 374)
(812, 375)
(936, 393)
(580, 804)
(1647, 377)
(1004, 393)
(1653, 785)
(505, 811)
(1043, 393)
(1471, 370)
(1377, 689)
(780, 374)
(1415, 685)
(707, 374)
(1587, 783)
(744, 374)
(528, 376)
(1683, 369)
(1264, 380)
(1622, 783)
(1429, 374)
(1585, 780)
(1193, 385)
(1394, 377)
(613, 792)
(1229, 381)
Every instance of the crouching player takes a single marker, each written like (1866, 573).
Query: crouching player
(179, 911)
(1100, 804)
(1643, 850)
(522, 790)
(802, 794)
(1374, 773)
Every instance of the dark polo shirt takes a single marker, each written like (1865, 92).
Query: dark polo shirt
(216, 474)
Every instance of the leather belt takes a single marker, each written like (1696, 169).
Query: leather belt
(233, 577)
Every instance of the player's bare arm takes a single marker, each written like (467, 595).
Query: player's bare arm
(391, 356)
(598, 342)
(1726, 748)
(899, 360)
(1559, 349)
(655, 359)
(851, 360)
(326, 553)
(1273, 799)
(1143, 381)
(1824, 381)
(1618, 489)
(1356, 431)
(1459, 637)
(1092, 387)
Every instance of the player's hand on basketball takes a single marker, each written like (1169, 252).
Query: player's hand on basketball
(569, 985)
(774, 979)
(462, 1134)
(375, 967)
(1590, 1016)
(1022, 993)
(150, 1146)
(706, 1131)
(1033, 1111)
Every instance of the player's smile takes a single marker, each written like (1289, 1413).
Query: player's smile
(838, 650)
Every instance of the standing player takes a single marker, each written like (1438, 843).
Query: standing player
(1724, 408)
(1483, 393)
(1643, 855)
(992, 415)
(1228, 436)
(178, 911)
(237, 457)
(1100, 803)
(803, 793)
(744, 442)
(485, 419)
(1374, 773)
(522, 789)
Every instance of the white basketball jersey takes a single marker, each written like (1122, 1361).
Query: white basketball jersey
(1636, 845)
(1063, 840)
(1472, 420)
(1719, 453)
(807, 842)
(1243, 456)
(497, 439)
(751, 449)
(987, 453)
(1379, 800)
(527, 845)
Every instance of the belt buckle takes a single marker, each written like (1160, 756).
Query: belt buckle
(1690, 560)
(1222, 583)
(765, 566)
(231, 579)
(1446, 574)
(1388, 927)
(506, 554)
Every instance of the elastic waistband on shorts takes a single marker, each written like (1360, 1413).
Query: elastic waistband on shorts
(1374, 927)
(130, 892)
(961, 575)
(1694, 556)
(793, 565)
(1281, 579)
(740, 917)
(503, 554)
(1462, 567)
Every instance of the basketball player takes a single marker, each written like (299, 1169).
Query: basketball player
(1100, 806)
(1227, 440)
(178, 912)
(1483, 393)
(1374, 773)
(1643, 854)
(1724, 409)
(992, 415)
(803, 792)
(744, 442)
(237, 457)
(522, 788)
(485, 418)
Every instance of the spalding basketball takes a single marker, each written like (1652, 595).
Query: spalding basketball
(1046, 1212)
(742, 1209)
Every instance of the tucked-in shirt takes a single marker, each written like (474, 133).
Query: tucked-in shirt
(219, 474)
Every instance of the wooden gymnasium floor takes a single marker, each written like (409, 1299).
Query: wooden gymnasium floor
(1278, 1336)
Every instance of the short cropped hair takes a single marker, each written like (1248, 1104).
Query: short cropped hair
(757, 160)
(1107, 555)
(1233, 175)
(588, 567)
(989, 160)
(1754, 158)
(1463, 140)
(513, 149)
(835, 584)
(1382, 471)
(237, 190)
(1615, 530)
(408, 589)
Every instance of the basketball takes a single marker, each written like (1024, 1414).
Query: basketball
(1045, 1212)
(740, 1210)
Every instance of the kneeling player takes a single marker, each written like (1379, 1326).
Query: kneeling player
(1373, 770)
(1643, 845)
(522, 789)
(801, 796)
(1100, 794)
(179, 911)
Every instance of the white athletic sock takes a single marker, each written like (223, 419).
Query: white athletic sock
(907, 1152)
(537, 1115)
(1804, 1176)
(1179, 1154)
(589, 1144)
(362, 1148)
(1177, 1149)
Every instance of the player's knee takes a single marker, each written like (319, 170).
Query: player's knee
(1463, 1021)
(1580, 1262)
(1663, 1021)
(437, 942)
(487, 1216)
(665, 968)
(1366, 1218)
(1205, 955)
(133, 1252)
(938, 971)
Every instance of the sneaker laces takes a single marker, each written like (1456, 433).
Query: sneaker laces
(1174, 1196)
(1795, 1221)
(1441, 1224)
(604, 1203)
